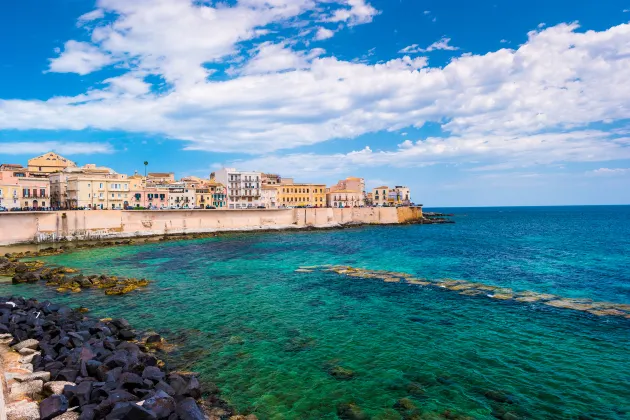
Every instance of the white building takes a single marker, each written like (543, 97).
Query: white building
(243, 188)
(270, 196)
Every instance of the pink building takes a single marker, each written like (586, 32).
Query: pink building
(150, 197)
(20, 188)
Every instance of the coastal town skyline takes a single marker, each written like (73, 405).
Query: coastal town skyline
(52, 181)
(531, 110)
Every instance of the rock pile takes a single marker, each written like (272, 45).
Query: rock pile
(65, 279)
(83, 368)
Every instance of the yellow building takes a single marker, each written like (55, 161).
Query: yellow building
(294, 195)
(49, 163)
(210, 194)
(90, 187)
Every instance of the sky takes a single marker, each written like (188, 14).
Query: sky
(479, 103)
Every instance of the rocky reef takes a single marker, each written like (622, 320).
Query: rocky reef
(63, 279)
(468, 288)
(64, 365)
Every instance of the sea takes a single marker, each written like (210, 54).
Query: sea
(319, 344)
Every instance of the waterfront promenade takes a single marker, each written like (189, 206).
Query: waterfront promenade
(42, 227)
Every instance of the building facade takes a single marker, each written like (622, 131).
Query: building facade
(380, 195)
(210, 194)
(270, 196)
(271, 179)
(243, 188)
(294, 195)
(385, 196)
(90, 187)
(49, 163)
(20, 188)
(344, 199)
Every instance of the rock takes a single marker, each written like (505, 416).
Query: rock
(22, 410)
(28, 358)
(43, 376)
(53, 406)
(26, 344)
(126, 335)
(56, 387)
(500, 396)
(29, 389)
(350, 411)
(68, 375)
(26, 351)
(341, 373)
(405, 404)
(153, 373)
(162, 404)
(187, 409)
(129, 381)
(154, 339)
(130, 411)
(68, 415)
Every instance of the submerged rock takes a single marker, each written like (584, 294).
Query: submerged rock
(351, 411)
(341, 373)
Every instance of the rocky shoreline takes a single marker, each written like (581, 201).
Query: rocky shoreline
(60, 363)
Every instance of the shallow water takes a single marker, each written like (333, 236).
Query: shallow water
(268, 336)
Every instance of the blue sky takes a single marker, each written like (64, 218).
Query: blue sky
(467, 103)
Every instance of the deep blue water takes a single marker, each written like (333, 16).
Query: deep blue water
(269, 336)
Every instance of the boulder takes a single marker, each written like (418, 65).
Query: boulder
(30, 344)
(162, 404)
(351, 411)
(187, 409)
(43, 376)
(53, 406)
(154, 339)
(56, 387)
(22, 410)
(30, 389)
(153, 373)
(130, 411)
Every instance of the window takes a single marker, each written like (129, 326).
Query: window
(101, 195)
(89, 196)
(100, 185)
(42, 192)
(88, 184)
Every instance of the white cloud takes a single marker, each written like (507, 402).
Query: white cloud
(323, 33)
(90, 16)
(279, 97)
(504, 41)
(66, 148)
(427, 12)
(501, 151)
(356, 12)
(609, 172)
(442, 44)
(79, 57)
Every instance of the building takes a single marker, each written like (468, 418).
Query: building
(210, 194)
(380, 195)
(400, 195)
(344, 199)
(90, 187)
(49, 163)
(243, 188)
(160, 177)
(385, 196)
(269, 196)
(299, 195)
(20, 188)
(351, 184)
(271, 179)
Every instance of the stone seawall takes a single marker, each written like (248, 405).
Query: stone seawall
(42, 227)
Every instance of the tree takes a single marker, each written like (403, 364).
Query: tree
(146, 163)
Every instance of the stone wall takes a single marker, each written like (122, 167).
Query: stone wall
(17, 227)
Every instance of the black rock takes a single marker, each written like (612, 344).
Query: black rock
(126, 335)
(162, 404)
(193, 389)
(163, 386)
(67, 374)
(154, 373)
(188, 409)
(52, 407)
(130, 380)
(153, 339)
(130, 411)
(88, 412)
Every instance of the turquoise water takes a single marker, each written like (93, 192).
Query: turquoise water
(268, 336)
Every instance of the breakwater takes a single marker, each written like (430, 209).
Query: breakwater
(61, 361)
(43, 227)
